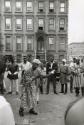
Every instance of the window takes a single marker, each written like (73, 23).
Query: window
(62, 46)
(8, 43)
(7, 6)
(41, 24)
(8, 23)
(29, 24)
(29, 6)
(62, 43)
(41, 6)
(19, 43)
(51, 43)
(61, 57)
(19, 58)
(51, 6)
(18, 24)
(62, 25)
(18, 6)
(29, 43)
(51, 24)
(62, 7)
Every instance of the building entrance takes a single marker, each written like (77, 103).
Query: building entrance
(40, 44)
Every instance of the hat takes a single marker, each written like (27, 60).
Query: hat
(37, 61)
(64, 60)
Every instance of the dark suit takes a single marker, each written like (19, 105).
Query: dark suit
(52, 77)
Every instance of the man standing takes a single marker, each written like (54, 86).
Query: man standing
(51, 67)
(63, 76)
(72, 68)
(2, 70)
(26, 65)
(41, 79)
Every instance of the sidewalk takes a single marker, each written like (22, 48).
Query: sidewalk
(51, 110)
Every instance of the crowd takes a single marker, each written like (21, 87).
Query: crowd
(33, 76)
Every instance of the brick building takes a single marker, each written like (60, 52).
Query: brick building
(37, 27)
(76, 50)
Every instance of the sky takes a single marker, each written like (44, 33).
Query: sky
(76, 21)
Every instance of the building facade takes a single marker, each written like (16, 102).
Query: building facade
(36, 27)
(76, 50)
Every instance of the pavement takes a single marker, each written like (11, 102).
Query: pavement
(51, 108)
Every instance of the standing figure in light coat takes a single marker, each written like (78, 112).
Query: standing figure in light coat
(63, 76)
(82, 77)
(77, 78)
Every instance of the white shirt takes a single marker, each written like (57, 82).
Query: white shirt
(72, 66)
(26, 66)
(6, 114)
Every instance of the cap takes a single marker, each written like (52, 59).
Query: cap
(37, 61)
(64, 60)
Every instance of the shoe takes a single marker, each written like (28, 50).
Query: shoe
(61, 92)
(33, 112)
(37, 102)
(4, 90)
(47, 93)
(21, 112)
(17, 93)
(55, 93)
(9, 93)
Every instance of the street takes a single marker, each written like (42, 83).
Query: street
(51, 108)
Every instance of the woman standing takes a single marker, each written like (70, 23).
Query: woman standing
(82, 77)
(28, 97)
(13, 76)
(77, 78)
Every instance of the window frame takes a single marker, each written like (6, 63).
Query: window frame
(19, 8)
(19, 24)
(30, 44)
(31, 28)
(10, 23)
(51, 10)
(39, 26)
(32, 8)
(62, 25)
(7, 9)
(53, 24)
(62, 11)
(52, 45)
(62, 44)
(21, 45)
(41, 10)
(6, 43)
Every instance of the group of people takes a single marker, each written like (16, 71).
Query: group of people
(33, 75)
(77, 76)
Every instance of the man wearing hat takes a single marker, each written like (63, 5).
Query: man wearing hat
(51, 68)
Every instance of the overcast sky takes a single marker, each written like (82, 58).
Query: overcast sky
(76, 21)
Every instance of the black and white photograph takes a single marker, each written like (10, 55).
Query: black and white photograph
(41, 62)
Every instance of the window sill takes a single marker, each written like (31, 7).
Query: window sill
(51, 30)
(18, 29)
(8, 29)
(19, 50)
(8, 50)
